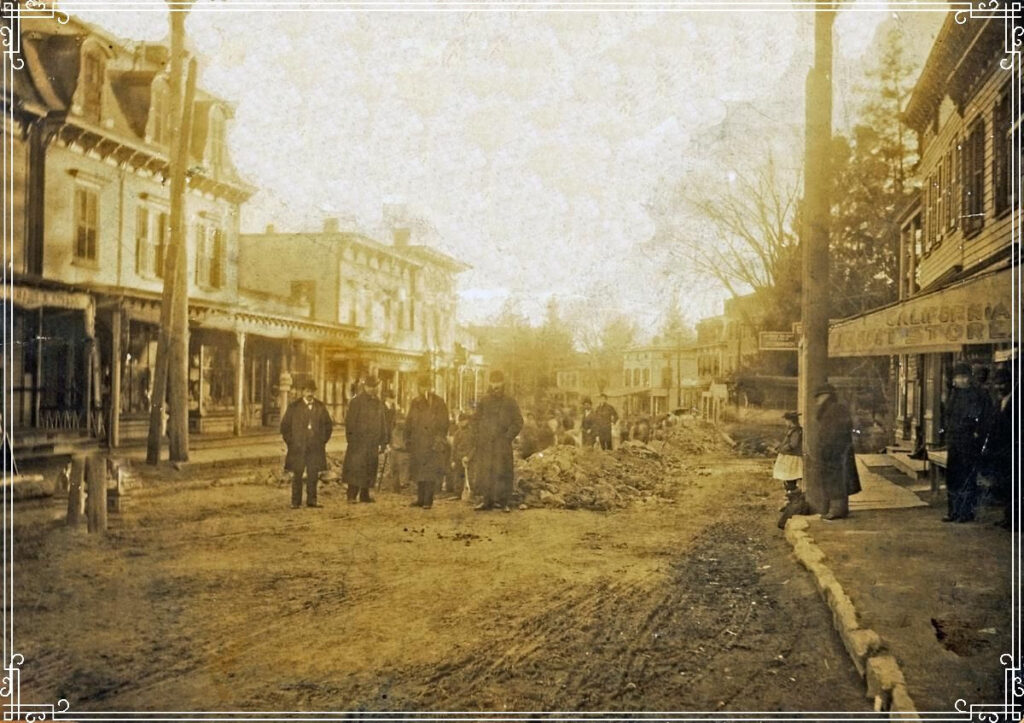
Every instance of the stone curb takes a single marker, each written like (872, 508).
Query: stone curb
(879, 669)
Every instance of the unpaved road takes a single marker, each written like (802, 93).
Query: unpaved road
(213, 595)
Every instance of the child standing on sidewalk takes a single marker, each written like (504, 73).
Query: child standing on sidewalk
(789, 465)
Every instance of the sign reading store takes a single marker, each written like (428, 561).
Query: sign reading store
(977, 311)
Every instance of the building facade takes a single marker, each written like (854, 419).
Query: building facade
(400, 296)
(959, 239)
(88, 121)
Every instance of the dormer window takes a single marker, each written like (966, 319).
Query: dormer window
(158, 109)
(92, 86)
(217, 152)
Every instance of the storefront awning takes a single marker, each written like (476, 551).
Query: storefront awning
(972, 311)
(30, 297)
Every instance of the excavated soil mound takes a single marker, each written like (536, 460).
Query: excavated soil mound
(577, 478)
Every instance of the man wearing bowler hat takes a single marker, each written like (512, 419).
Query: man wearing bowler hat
(306, 427)
(366, 432)
(966, 416)
(496, 423)
(426, 431)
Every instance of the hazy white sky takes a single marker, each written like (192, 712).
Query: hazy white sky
(531, 141)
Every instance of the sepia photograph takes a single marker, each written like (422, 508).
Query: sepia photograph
(491, 360)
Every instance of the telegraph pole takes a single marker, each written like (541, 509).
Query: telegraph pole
(814, 237)
(171, 368)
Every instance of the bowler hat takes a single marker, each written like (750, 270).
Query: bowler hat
(308, 384)
(791, 416)
(496, 377)
(371, 382)
(961, 368)
(825, 388)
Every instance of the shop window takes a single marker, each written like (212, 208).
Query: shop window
(217, 378)
(636, 377)
(974, 179)
(646, 377)
(86, 223)
(137, 371)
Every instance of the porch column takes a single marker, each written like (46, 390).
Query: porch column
(239, 380)
(114, 433)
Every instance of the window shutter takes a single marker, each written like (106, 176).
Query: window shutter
(143, 260)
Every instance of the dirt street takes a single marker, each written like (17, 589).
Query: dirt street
(211, 594)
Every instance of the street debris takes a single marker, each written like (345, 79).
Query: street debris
(576, 478)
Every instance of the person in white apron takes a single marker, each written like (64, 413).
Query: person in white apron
(789, 464)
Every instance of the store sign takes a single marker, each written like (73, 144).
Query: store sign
(776, 341)
(974, 312)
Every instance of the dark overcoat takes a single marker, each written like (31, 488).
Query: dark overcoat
(998, 448)
(426, 431)
(833, 453)
(366, 433)
(495, 425)
(967, 414)
(604, 416)
(306, 429)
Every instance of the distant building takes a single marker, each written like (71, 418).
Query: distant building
(957, 255)
(660, 378)
(88, 121)
(399, 295)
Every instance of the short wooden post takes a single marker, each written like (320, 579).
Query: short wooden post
(76, 493)
(96, 485)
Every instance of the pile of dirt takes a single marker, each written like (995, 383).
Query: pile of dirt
(576, 478)
(691, 438)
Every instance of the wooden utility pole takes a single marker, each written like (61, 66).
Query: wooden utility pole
(814, 237)
(171, 368)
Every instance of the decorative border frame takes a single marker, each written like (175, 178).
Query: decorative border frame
(11, 12)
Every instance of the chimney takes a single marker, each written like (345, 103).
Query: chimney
(270, 228)
(401, 237)
(331, 224)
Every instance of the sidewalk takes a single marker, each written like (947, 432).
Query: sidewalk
(931, 601)
(228, 451)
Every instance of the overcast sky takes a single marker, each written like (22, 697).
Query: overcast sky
(531, 141)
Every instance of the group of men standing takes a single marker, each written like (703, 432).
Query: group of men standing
(484, 444)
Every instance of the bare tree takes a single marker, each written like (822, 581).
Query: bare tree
(739, 232)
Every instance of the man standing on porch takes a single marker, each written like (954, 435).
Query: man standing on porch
(306, 427)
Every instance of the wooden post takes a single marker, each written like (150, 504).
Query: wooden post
(814, 239)
(116, 355)
(239, 381)
(96, 486)
(177, 377)
(76, 494)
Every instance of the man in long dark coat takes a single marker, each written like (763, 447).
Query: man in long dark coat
(967, 412)
(495, 425)
(998, 449)
(604, 417)
(306, 427)
(833, 453)
(366, 432)
(426, 431)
